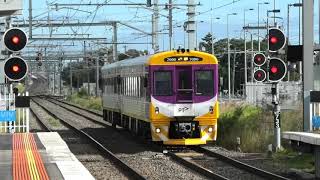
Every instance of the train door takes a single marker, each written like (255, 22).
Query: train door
(184, 84)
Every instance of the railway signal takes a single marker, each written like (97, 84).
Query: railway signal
(277, 70)
(15, 39)
(259, 60)
(276, 39)
(15, 68)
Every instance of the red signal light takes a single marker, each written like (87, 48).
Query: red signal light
(15, 68)
(277, 69)
(260, 75)
(15, 40)
(259, 59)
(276, 38)
(273, 40)
(274, 69)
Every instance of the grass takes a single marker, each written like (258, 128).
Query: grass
(54, 122)
(81, 98)
(253, 125)
(294, 160)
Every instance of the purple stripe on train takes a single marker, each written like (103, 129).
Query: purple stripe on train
(182, 95)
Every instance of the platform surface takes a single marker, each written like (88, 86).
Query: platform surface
(42, 155)
(306, 137)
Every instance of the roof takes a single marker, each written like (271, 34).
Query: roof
(128, 62)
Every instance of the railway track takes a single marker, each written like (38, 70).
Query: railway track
(244, 170)
(218, 166)
(97, 119)
(125, 168)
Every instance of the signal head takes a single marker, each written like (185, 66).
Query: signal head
(15, 39)
(277, 70)
(259, 59)
(277, 39)
(260, 75)
(15, 68)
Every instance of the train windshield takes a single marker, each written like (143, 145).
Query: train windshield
(163, 83)
(204, 82)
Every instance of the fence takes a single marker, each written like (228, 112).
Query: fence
(12, 119)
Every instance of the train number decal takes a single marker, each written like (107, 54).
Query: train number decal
(182, 59)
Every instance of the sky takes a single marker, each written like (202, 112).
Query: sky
(141, 18)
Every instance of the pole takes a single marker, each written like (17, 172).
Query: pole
(288, 21)
(191, 25)
(155, 21)
(60, 81)
(252, 67)
(114, 43)
(70, 66)
(170, 24)
(308, 40)
(233, 70)
(30, 19)
(86, 59)
(259, 26)
(276, 114)
(300, 63)
(245, 54)
(54, 79)
(212, 38)
(97, 76)
(228, 44)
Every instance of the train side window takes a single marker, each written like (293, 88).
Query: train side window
(204, 82)
(163, 83)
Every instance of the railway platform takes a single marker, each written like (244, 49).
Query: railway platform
(35, 156)
(306, 142)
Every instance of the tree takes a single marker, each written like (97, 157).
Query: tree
(236, 46)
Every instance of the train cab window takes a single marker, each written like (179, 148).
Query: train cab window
(204, 83)
(163, 83)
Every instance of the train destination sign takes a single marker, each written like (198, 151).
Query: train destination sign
(182, 59)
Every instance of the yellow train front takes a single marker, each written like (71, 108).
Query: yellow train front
(171, 96)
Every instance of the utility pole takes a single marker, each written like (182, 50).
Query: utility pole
(191, 25)
(252, 54)
(308, 42)
(30, 19)
(125, 48)
(155, 22)
(70, 66)
(115, 40)
(97, 76)
(170, 24)
(234, 70)
(86, 59)
(60, 80)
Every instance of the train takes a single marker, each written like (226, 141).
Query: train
(170, 97)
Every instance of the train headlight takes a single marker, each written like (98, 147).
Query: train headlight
(157, 110)
(210, 129)
(158, 130)
(211, 109)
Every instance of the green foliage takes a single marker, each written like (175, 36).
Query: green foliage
(86, 101)
(83, 92)
(292, 159)
(20, 87)
(253, 125)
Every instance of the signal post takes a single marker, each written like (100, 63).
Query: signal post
(272, 70)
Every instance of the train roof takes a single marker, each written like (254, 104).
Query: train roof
(157, 59)
(128, 62)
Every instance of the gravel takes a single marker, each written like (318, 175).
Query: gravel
(151, 164)
(90, 157)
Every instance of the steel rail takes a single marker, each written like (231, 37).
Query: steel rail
(127, 170)
(239, 164)
(201, 170)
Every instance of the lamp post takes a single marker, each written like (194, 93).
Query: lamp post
(259, 23)
(212, 44)
(228, 44)
(245, 50)
(197, 45)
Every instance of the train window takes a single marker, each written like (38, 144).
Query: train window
(163, 83)
(204, 83)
